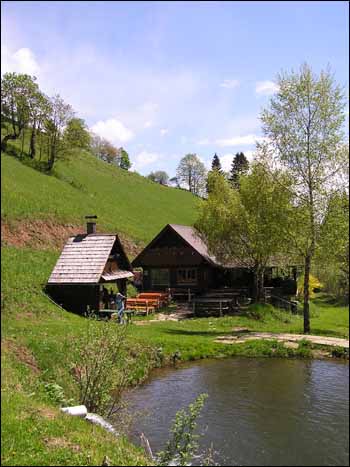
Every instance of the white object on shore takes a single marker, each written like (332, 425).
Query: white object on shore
(98, 420)
(78, 410)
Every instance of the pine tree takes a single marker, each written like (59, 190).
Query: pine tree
(239, 167)
(216, 164)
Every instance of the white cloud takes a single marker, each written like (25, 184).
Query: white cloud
(145, 158)
(266, 87)
(240, 140)
(148, 124)
(229, 83)
(203, 142)
(21, 61)
(113, 130)
(164, 131)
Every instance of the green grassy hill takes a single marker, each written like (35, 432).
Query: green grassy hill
(124, 202)
(37, 335)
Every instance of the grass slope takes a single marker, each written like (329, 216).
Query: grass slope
(36, 335)
(123, 201)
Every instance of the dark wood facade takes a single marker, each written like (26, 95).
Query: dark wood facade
(178, 258)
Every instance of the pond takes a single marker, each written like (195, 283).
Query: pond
(259, 411)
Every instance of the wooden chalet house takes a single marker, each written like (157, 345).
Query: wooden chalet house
(86, 263)
(178, 258)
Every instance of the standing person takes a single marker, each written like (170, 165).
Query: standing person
(119, 300)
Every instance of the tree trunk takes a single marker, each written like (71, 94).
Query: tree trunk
(41, 145)
(5, 139)
(255, 287)
(306, 294)
(261, 295)
(32, 142)
(22, 143)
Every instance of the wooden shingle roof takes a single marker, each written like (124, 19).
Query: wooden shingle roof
(83, 259)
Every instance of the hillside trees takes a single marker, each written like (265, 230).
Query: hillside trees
(17, 91)
(240, 166)
(25, 109)
(124, 162)
(160, 176)
(76, 134)
(303, 123)
(244, 226)
(191, 171)
(60, 114)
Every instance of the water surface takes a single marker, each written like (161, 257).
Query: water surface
(259, 411)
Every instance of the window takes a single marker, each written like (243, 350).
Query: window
(187, 276)
(160, 277)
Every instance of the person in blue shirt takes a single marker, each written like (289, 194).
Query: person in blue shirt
(119, 300)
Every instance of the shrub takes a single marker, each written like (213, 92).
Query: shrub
(101, 366)
(183, 445)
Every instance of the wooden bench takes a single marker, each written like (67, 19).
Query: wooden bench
(163, 298)
(142, 305)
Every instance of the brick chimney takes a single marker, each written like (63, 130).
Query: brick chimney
(90, 225)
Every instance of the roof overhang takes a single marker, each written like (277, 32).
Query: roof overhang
(117, 275)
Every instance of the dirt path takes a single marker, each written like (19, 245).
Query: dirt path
(284, 337)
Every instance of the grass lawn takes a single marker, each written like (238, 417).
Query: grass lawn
(37, 340)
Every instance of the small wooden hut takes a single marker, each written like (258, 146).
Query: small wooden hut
(86, 263)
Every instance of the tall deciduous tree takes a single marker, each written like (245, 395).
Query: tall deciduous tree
(240, 166)
(16, 92)
(243, 226)
(59, 117)
(191, 171)
(304, 125)
(76, 134)
(39, 110)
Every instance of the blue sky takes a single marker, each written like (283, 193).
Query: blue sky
(163, 79)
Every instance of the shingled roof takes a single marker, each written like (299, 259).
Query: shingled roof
(83, 260)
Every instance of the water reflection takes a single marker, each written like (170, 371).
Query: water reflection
(259, 411)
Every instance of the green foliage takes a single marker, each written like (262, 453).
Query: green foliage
(332, 254)
(240, 166)
(16, 92)
(124, 162)
(216, 164)
(77, 135)
(100, 365)
(245, 225)
(304, 127)
(56, 394)
(183, 445)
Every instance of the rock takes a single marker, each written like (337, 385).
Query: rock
(291, 345)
